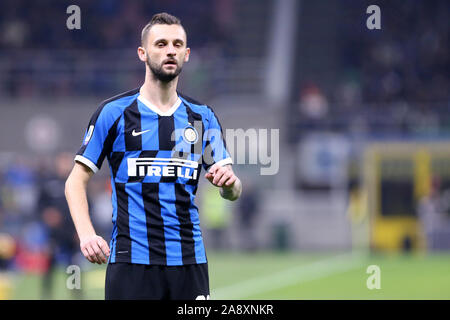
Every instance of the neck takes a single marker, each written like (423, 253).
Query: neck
(161, 94)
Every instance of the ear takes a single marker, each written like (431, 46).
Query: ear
(141, 54)
(188, 52)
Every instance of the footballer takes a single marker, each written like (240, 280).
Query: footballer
(156, 141)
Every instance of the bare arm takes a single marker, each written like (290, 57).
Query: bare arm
(229, 183)
(93, 247)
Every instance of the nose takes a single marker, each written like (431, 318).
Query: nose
(171, 50)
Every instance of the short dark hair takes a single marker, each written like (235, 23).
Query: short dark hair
(159, 18)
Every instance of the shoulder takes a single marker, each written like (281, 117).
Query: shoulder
(113, 107)
(196, 106)
(120, 101)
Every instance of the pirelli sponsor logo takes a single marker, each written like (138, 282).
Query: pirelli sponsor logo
(162, 167)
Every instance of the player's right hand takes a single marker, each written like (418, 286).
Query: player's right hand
(95, 249)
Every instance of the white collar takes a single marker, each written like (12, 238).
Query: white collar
(155, 109)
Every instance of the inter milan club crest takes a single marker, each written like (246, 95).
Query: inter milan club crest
(190, 134)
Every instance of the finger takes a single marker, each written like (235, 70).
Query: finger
(216, 179)
(214, 169)
(219, 174)
(224, 178)
(91, 252)
(104, 247)
(98, 253)
(94, 254)
(86, 255)
(231, 181)
(209, 176)
(103, 250)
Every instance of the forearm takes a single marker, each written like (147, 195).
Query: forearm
(76, 196)
(232, 193)
(93, 247)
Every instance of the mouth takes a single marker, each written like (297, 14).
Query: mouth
(170, 63)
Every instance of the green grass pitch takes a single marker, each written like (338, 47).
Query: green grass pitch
(292, 276)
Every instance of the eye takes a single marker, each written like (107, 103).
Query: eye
(178, 44)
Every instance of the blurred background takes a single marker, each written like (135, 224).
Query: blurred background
(364, 142)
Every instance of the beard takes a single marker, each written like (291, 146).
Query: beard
(159, 73)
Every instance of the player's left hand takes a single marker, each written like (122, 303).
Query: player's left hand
(221, 176)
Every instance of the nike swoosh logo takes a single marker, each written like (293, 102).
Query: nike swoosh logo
(135, 134)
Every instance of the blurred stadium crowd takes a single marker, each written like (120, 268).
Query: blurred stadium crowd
(407, 64)
(36, 231)
(402, 69)
(112, 24)
(40, 56)
(405, 67)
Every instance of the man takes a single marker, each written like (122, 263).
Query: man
(156, 141)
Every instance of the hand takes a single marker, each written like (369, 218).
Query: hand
(221, 176)
(95, 249)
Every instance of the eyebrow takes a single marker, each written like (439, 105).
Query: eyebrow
(163, 39)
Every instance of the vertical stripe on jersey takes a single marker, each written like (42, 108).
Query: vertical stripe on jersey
(182, 204)
(112, 245)
(200, 255)
(123, 246)
(220, 126)
(132, 119)
(114, 161)
(155, 223)
(112, 256)
(119, 142)
(166, 127)
(108, 143)
(138, 224)
(171, 224)
(196, 120)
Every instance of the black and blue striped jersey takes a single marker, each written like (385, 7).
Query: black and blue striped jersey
(155, 159)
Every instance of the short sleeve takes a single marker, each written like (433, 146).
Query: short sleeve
(215, 149)
(98, 138)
